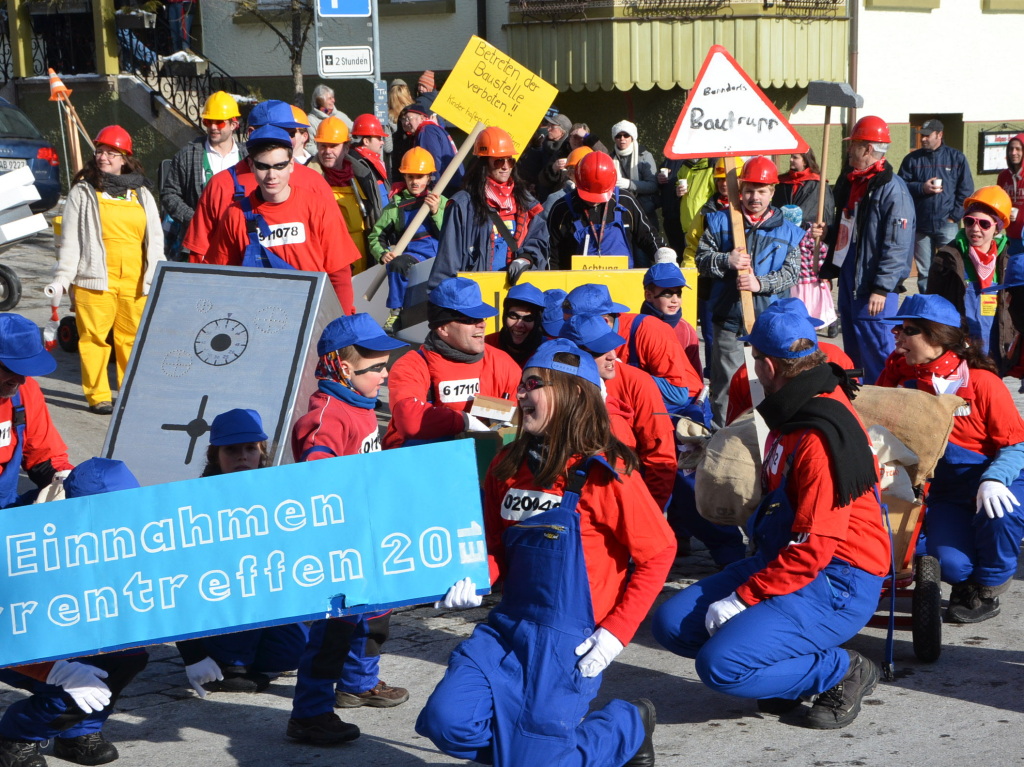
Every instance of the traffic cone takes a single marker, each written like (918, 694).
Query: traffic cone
(58, 90)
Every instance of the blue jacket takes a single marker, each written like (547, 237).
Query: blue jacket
(774, 254)
(466, 244)
(883, 239)
(934, 210)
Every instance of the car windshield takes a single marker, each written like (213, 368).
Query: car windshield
(14, 124)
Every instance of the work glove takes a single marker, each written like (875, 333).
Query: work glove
(995, 499)
(721, 611)
(461, 596)
(472, 423)
(664, 256)
(598, 651)
(402, 264)
(54, 291)
(623, 183)
(206, 670)
(84, 683)
(516, 268)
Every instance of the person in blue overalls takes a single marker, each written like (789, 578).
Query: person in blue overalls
(599, 219)
(770, 627)
(565, 513)
(973, 261)
(69, 700)
(974, 523)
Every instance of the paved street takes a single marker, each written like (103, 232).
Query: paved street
(965, 709)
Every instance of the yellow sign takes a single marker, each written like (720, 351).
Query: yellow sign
(590, 263)
(488, 86)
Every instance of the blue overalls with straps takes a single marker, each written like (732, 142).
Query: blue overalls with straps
(980, 325)
(255, 254)
(611, 239)
(512, 694)
(677, 399)
(787, 646)
(422, 246)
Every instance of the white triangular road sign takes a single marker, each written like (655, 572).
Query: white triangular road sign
(727, 114)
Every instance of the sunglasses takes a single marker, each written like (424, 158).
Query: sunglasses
(670, 293)
(516, 317)
(906, 330)
(270, 166)
(501, 162)
(219, 124)
(982, 223)
(380, 367)
(622, 135)
(530, 384)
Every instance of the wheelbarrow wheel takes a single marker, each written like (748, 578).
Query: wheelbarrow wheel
(10, 289)
(67, 335)
(926, 609)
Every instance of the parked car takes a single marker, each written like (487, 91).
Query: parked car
(22, 144)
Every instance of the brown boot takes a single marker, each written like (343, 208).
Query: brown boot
(381, 696)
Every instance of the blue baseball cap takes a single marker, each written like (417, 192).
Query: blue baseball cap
(98, 475)
(774, 333)
(664, 275)
(794, 304)
(237, 426)
(552, 317)
(593, 298)
(359, 330)
(525, 293)
(922, 307)
(1013, 278)
(461, 295)
(268, 134)
(273, 112)
(591, 332)
(21, 347)
(544, 358)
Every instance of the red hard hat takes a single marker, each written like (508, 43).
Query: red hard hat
(760, 170)
(871, 128)
(115, 136)
(595, 177)
(367, 125)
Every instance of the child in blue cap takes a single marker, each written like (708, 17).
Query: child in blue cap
(340, 667)
(521, 332)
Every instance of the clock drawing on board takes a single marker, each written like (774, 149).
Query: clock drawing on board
(221, 342)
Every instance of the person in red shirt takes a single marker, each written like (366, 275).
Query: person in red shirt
(663, 298)
(565, 514)
(431, 391)
(521, 332)
(975, 524)
(770, 626)
(284, 226)
(28, 438)
(1012, 181)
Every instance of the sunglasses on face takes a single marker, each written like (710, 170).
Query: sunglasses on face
(380, 367)
(670, 293)
(516, 317)
(219, 124)
(530, 384)
(906, 330)
(270, 166)
(622, 135)
(501, 162)
(981, 223)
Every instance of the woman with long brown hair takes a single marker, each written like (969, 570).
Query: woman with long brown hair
(566, 512)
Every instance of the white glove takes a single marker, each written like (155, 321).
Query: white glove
(82, 682)
(474, 424)
(206, 670)
(721, 611)
(461, 596)
(996, 499)
(622, 183)
(54, 291)
(664, 256)
(598, 651)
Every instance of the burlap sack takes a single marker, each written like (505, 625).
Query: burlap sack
(728, 480)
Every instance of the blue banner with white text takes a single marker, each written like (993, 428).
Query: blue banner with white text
(208, 556)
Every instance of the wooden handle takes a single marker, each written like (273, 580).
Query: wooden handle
(822, 186)
(739, 238)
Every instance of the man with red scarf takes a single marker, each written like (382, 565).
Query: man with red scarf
(871, 244)
(493, 224)
(1012, 182)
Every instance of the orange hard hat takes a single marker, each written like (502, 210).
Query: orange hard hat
(332, 130)
(870, 128)
(995, 199)
(576, 155)
(760, 170)
(115, 136)
(494, 142)
(367, 125)
(300, 116)
(595, 177)
(417, 162)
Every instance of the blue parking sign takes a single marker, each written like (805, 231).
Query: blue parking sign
(343, 7)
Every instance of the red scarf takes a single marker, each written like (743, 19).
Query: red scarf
(796, 178)
(339, 176)
(947, 365)
(502, 198)
(374, 159)
(859, 183)
(984, 263)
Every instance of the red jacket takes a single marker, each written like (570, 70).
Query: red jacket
(1013, 185)
(658, 352)
(42, 440)
(333, 427)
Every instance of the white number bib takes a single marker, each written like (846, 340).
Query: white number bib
(523, 504)
(284, 234)
(458, 391)
(371, 442)
(5, 434)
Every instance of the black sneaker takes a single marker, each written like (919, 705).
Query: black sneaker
(102, 408)
(238, 679)
(644, 757)
(85, 749)
(323, 729)
(21, 753)
(967, 605)
(839, 706)
(777, 706)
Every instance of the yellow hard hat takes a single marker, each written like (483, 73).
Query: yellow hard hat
(417, 162)
(720, 167)
(220, 106)
(332, 130)
(576, 155)
(300, 116)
